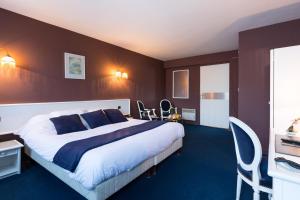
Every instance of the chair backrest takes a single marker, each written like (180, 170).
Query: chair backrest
(141, 108)
(247, 147)
(165, 105)
(140, 105)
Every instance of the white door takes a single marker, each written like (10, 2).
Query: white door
(214, 91)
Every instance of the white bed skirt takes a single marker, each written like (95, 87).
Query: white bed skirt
(110, 186)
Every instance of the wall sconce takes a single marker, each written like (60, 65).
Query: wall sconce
(118, 74)
(7, 61)
(122, 75)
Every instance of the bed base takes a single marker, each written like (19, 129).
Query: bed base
(110, 186)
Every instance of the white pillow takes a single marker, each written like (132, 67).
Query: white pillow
(41, 124)
(38, 124)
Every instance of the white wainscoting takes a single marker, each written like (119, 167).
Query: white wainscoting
(13, 116)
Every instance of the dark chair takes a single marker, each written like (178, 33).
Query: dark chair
(147, 114)
(166, 109)
(252, 167)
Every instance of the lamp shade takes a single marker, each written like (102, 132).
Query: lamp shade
(124, 75)
(8, 61)
(118, 74)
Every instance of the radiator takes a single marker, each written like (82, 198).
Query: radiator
(189, 114)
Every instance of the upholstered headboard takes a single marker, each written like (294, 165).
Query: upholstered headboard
(13, 116)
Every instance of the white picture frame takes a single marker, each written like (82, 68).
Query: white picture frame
(74, 66)
(181, 90)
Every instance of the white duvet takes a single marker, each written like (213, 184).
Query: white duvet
(102, 163)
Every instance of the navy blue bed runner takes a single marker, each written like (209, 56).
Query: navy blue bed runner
(69, 155)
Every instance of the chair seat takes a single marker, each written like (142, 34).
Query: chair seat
(154, 117)
(265, 180)
(165, 114)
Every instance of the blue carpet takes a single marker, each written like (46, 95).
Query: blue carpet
(205, 170)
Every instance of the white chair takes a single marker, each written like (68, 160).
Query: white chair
(166, 109)
(252, 167)
(146, 113)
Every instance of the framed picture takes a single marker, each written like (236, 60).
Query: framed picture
(74, 66)
(181, 84)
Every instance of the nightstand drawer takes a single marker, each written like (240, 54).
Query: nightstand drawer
(8, 152)
(8, 162)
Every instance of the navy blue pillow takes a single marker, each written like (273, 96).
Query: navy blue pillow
(115, 115)
(67, 124)
(95, 118)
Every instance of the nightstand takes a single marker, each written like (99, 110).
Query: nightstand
(10, 158)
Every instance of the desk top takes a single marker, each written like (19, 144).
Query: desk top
(281, 170)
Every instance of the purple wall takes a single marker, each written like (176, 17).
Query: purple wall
(39, 76)
(193, 64)
(254, 72)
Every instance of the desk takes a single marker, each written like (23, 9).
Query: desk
(286, 180)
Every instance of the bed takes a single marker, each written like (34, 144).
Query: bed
(98, 177)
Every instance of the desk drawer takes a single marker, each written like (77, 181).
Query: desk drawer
(8, 153)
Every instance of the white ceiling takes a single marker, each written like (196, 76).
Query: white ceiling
(163, 29)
